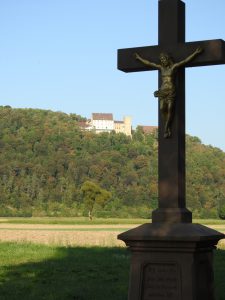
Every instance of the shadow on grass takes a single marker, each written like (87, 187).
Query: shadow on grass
(73, 274)
(80, 274)
(219, 272)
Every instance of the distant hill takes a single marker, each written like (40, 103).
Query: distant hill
(46, 160)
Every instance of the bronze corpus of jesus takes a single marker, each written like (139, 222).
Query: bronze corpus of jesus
(167, 91)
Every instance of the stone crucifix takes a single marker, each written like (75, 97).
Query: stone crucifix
(171, 258)
(171, 94)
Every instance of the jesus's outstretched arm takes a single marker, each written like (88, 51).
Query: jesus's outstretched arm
(198, 51)
(146, 62)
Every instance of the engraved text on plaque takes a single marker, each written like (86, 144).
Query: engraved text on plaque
(161, 281)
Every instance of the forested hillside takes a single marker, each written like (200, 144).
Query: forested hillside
(48, 166)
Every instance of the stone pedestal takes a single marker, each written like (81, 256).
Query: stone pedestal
(171, 261)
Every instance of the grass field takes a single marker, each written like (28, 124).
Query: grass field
(35, 272)
(73, 259)
(95, 221)
(71, 221)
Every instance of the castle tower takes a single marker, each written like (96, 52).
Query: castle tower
(127, 125)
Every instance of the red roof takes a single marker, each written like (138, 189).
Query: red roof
(100, 116)
(148, 129)
(83, 124)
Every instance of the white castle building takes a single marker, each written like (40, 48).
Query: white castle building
(104, 122)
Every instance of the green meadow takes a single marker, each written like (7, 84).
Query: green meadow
(35, 272)
(95, 221)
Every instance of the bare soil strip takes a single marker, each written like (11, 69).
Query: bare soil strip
(63, 238)
(69, 235)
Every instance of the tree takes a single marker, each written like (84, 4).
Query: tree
(94, 194)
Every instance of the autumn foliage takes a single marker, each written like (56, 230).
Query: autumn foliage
(49, 167)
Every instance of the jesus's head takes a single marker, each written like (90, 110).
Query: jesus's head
(165, 59)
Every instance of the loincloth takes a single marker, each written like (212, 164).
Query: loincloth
(167, 95)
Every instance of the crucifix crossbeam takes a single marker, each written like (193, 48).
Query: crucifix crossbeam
(214, 54)
(171, 36)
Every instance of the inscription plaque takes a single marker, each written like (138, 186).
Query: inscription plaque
(161, 281)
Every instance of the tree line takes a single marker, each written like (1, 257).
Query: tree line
(50, 167)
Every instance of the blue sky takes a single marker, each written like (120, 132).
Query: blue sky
(61, 55)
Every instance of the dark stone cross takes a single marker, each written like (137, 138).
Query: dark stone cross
(172, 258)
(172, 150)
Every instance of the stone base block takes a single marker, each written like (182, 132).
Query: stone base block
(171, 261)
(171, 215)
